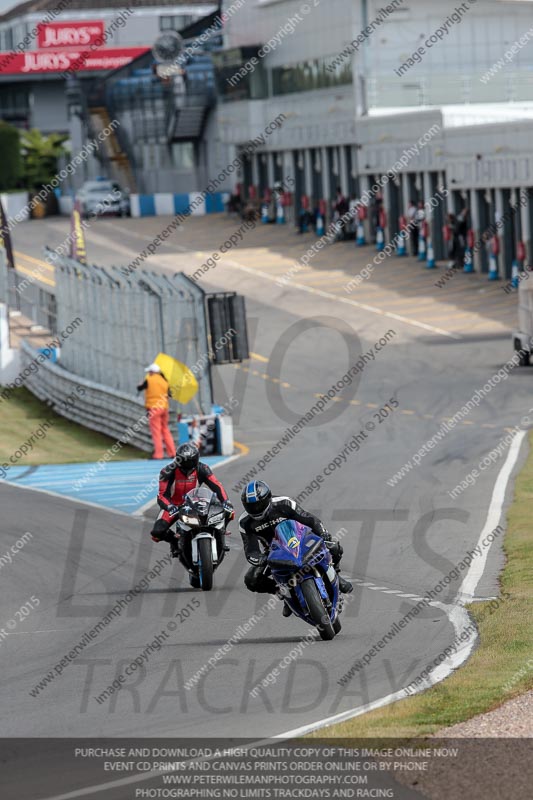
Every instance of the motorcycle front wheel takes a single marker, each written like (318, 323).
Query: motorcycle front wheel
(317, 611)
(205, 564)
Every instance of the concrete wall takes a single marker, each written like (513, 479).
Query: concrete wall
(312, 118)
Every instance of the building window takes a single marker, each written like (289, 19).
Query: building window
(8, 39)
(175, 23)
(14, 101)
(310, 75)
(234, 81)
(183, 156)
(167, 23)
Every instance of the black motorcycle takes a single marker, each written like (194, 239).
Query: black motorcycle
(201, 528)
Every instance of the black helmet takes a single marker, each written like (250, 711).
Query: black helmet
(256, 498)
(187, 457)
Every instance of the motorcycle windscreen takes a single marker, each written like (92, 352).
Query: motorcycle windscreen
(205, 502)
(286, 545)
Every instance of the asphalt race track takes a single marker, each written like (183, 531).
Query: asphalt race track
(399, 541)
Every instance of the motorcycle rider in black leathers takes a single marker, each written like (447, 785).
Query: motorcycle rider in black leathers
(257, 526)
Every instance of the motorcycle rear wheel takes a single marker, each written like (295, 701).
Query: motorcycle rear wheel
(317, 611)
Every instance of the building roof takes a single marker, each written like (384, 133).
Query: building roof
(41, 6)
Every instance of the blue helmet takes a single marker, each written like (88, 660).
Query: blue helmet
(256, 498)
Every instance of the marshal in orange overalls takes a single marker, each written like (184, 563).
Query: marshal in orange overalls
(156, 401)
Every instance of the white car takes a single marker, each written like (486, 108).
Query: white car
(96, 198)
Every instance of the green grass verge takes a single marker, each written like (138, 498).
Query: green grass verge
(498, 670)
(65, 442)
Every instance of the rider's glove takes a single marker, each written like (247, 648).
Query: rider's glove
(155, 539)
(335, 550)
(258, 559)
(326, 535)
(228, 508)
(172, 510)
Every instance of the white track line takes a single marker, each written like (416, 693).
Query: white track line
(457, 615)
(459, 618)
(97, 505)
(148, 776)
(67, 498)
(477, 567)
(330, 296)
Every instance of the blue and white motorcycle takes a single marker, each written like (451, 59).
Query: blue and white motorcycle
(301, 565)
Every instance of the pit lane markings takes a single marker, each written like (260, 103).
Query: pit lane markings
(26, 270)
(33, 260)
(339, 299)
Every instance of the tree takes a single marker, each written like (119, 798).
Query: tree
(10, 161)
(40, 156)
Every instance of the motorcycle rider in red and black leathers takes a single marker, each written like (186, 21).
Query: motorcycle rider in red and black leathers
(185, 473)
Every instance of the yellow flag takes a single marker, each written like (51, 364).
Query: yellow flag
(182, 382)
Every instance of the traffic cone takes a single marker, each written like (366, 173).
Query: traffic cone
(469, 261)
(515, 275)
(360, 241)
(380, 239)
(280, 215)
(430, 263)
(264, 214)
(320, 225)
(493, 267)
(421, 248)
(401, 250)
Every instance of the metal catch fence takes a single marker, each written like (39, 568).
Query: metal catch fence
(126, 320)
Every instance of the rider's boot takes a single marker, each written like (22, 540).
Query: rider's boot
(194, 580)
(345, 587)
(174, 549)
(286, 610)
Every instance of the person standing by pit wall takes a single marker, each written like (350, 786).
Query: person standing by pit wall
(413, 228)
(157, 392)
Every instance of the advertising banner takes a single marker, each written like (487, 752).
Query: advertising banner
(82, 59)
(70, 34)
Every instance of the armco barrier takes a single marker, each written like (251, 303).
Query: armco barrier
(99, 408)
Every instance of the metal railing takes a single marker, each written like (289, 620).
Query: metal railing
(4, 278)
(126, 321)
(32, 299)
(450, 88)
(123, 323)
